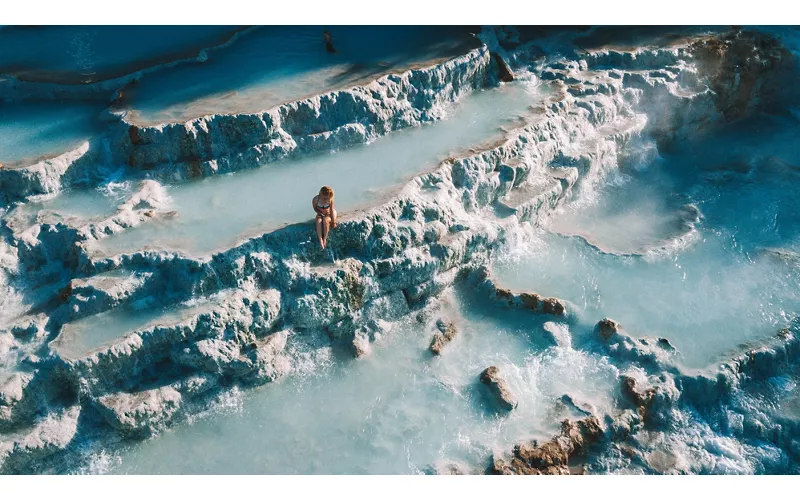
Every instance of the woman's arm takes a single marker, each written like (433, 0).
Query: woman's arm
(315, 207)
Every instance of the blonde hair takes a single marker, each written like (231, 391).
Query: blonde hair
(326, 191)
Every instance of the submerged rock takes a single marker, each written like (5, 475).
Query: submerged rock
(499, 389)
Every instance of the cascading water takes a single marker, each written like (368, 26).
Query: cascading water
(603, 249)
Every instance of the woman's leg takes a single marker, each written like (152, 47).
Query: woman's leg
(320, 234)
(326, 227)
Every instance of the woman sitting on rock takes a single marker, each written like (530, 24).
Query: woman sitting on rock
(326, 214)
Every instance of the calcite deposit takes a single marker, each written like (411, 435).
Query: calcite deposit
(393, 259)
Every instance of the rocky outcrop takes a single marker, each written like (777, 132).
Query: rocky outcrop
(224, 143)
(503, 70)
(142, 412)
(229, 339)
(43, 177)
(26, 452)
(498, 388)
(527, 301)
(554, 456)
(102, 292)
(652, 354)
(747, 70)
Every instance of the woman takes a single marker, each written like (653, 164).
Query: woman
(326, 214)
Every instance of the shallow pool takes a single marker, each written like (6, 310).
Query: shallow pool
(276, 64)
(216, 212)
(79, 338)
(83, 54)
(34, 131)
(399, 411)
(737, 279)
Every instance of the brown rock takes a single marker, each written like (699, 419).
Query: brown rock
(505, 294)
(630, 391)
(503, 70)
(447, 332)
(553, 306)
(530, 300)
(746, 70)
(134, 136)
(552, 458)
(499, 388)
(607, 328)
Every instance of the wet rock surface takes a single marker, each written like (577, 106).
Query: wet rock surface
(554, 456)
(526, 301)
(498, 388)
(447, 332)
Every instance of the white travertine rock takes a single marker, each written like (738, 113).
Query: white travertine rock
(141, 412)
(52, 434)
(398, 255)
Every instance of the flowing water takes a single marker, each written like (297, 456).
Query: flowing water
(734, 280)
(79, 205)
(403, 411)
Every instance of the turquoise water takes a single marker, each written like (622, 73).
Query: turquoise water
(276, 64)
(211, 214)
(724, 286)
(263, 67)
(79, 205)
(83, 54)
(734, 279)
(399, 411)
(34, 131)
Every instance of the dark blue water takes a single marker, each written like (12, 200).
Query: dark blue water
(282, 63)
(81, 54)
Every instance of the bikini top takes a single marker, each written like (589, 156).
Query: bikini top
(323, 206)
